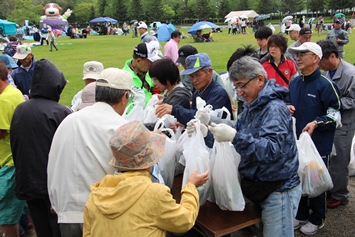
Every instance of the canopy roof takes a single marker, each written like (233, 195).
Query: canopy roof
(248, 13)
(103, 19)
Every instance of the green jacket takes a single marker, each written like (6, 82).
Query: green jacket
(138, 83)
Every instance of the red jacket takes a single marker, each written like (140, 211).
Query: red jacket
(286, 66)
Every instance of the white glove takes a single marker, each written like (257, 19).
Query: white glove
(139, 97)
(222, 132)
(191, 128)
(203, 116)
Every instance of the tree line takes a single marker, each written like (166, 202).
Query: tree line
(177, 11)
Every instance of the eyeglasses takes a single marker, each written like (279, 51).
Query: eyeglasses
(196, 75)
(301, 55)
(242, 87)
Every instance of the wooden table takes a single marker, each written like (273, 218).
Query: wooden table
(212, 221)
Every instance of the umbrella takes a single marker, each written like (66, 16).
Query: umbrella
(311, 20)
(195, 27)
(262, 17)
(103, 20)
(286, 19)
(157, 24)
(243, 17)
(234, 18)
(132, 21)
(339, 15)
(204, 26)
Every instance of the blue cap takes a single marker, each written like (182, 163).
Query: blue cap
(9, 62)
(196, 62)
(339, 20)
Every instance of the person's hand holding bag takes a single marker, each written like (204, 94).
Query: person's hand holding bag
(191, 128)
(203, 116)
(222, 132)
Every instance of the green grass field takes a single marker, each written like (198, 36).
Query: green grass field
(114, 50)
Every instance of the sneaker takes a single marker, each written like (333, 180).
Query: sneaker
(298, 224)
(310, 229)
(334, 203)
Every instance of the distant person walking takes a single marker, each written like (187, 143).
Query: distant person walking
(52, 40)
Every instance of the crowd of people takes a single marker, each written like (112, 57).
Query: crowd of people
(89, 171)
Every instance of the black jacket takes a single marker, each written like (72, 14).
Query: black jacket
(32, 128)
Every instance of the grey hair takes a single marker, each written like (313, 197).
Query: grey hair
(206, 69)
(108, 95)
(246, 67)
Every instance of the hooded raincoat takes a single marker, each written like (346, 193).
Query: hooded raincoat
(33, 126)
(265, 139)
(129, 204)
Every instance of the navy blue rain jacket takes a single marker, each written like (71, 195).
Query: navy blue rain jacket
(265, 139)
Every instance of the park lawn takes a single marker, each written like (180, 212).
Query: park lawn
(114, 50)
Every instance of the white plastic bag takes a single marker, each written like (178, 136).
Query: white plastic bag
(313, 173)
(149, 111)
(135, 114)
(168, 161)
(196, 158)
(225, 177)
(351, 166)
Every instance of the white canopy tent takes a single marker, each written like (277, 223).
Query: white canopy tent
(249, 13)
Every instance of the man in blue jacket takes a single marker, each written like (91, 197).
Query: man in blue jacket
(199, 68)
(23, 74)
(314, 101)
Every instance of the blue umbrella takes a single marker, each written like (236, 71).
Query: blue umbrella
(195, 27)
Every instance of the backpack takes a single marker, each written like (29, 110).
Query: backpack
(10, 48)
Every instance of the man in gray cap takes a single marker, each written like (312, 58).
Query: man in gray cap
(184, 52)
(199, 69)
(339, 36)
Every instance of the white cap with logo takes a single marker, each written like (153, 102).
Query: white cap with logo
(307, 47)
(92, 70)
(22, 51)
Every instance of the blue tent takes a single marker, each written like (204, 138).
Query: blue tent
(172, 26)
(164, 33)
(9, 28)
(103, 19)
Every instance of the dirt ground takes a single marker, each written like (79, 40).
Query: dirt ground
(340, 222)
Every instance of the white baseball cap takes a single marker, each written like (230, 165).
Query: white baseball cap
(307, 47)
(147, 50)
(22, 51)
(142, 24)
(294, 27)
(92, 70)
(115, 78)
